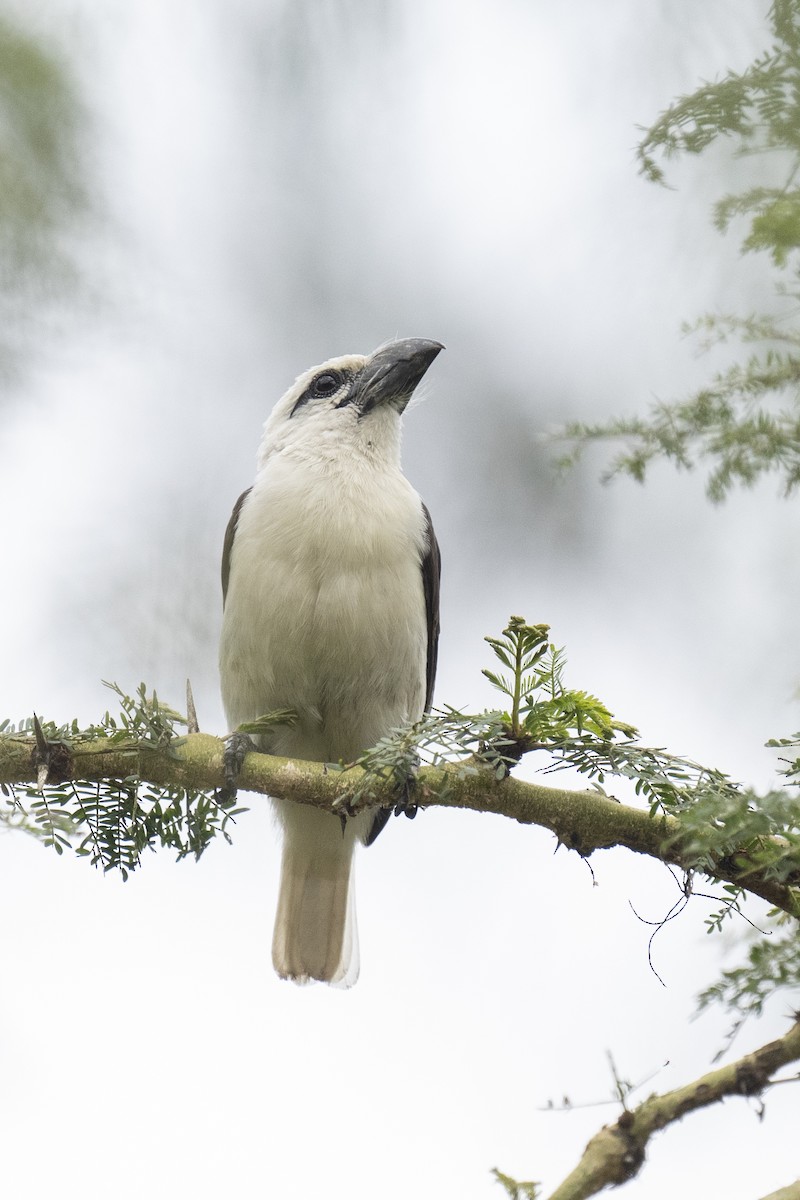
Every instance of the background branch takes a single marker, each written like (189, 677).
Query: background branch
(792, 1192)
(617, 1152)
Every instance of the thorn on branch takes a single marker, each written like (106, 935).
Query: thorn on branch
(191, 712)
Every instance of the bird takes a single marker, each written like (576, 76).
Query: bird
(330, 580)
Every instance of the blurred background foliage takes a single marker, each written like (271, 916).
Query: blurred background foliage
(44, 186)
(745, 423)
(199, 201)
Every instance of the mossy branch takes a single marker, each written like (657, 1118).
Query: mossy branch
(584, 821)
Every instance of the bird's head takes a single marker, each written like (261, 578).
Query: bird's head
(354, 401)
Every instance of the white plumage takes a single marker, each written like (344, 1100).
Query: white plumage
(327, 614)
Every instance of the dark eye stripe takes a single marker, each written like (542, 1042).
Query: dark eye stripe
(299, 403)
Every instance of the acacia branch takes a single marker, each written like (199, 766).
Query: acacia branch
(617, 1152)
(584, 821)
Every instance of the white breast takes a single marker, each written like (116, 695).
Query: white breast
(325, 611)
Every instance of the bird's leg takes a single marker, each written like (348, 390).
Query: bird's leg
(237, 746)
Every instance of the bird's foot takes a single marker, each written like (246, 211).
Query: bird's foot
(237, 747)
(405, 800)
(404, 803)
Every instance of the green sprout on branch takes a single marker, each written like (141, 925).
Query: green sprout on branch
(543, 711)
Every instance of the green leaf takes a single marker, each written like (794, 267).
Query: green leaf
(269, 721)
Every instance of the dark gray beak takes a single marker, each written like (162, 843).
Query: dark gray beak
(392, 373)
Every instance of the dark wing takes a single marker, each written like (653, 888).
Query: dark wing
(227, 546)
(431, 573)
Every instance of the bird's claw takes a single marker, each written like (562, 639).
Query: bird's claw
(343, 806)
(405, 802)
(237, 747)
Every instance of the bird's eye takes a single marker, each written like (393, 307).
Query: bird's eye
(326, 385)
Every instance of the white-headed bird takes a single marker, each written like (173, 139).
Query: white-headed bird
(330, 579)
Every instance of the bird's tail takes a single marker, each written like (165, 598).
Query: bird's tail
(316, 936)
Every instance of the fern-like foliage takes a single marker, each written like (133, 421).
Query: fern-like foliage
(746, 423)
(114, 822)
(772, 965)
